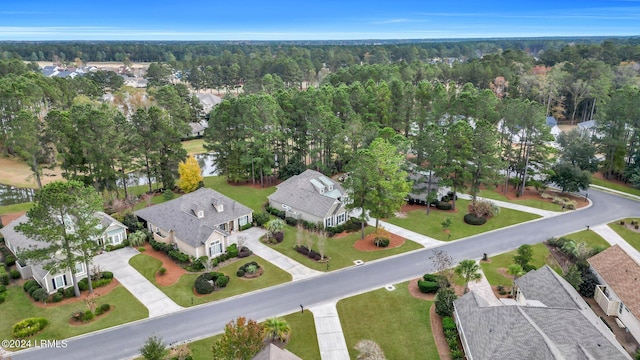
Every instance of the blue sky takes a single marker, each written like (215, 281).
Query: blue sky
(313, 20)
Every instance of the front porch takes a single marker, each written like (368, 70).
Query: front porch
(623, 336)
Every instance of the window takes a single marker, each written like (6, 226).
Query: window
(340, 218)
(223, 226)
(215, 249)
(59, 281)
(243, 220)
(115, 239)
(80, 268)
(329, 221)
(621, 307)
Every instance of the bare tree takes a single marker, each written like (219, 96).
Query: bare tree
(369, 350)
(443, 263)
(322, 243)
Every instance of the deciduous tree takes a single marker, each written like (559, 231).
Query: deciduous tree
(190, 175)
(242, 340)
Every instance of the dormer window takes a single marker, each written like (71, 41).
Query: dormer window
(217, 204)
(220, 208)
(200, 214)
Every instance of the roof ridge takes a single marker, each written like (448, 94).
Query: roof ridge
(550, 344)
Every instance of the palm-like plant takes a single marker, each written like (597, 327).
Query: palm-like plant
(274, 226)
(469, 271)
(515, 270)
(277, 329)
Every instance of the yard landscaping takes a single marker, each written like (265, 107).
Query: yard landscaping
(531, 199)
(628, 232)
(396, 321)
(500, 277)
(340, 250)
(431, 225)
(252, 196)
(18, 306)
(182, 291)
(592, 239)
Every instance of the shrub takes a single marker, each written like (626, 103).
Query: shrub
(445, 198)
(279, 213)
(240, 273)
(244, 252)
(444, 301)
(3, 288)
(381, 241)
(178, 256)
(102, 309)
(302, 250)
(83, 284)
(457, 354)
(69, 292)
(10, 259)
(261, 218)
(246, 226)
(279, 236)
(222, 281)
(440, 279)
(232, 251)
(40, 294)
(87, 316)
(29, 284)
(162, 270)
(251, 269)
(448, 323)
(203, 286)
(28, 327)
(471, 219)
(3, 296)
(4, 277)
(483, 208)
(291, 221)
(443, 205)
(428, 287)
(57, 297)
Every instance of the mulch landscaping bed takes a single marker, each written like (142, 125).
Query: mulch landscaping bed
(368, 245)
(174, 271)
(103, 290)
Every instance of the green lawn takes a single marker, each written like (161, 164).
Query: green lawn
(490, 269)
(182, 291)
(592, 239)
(303, 342)
(398, 322)
(418, 221)
(195, 146)
(540, 204)
(19, 306)
(632, 237)
(14, 208)
(249, 196)
(340, 251)
(615, 186)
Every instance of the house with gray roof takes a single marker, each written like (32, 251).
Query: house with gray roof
(273, 352)
(313, 197)
(200, 223)
(548, 319)
(208, 101)
(619, 291)
(114, 233)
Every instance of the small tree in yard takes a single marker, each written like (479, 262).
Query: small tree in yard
(277, 329)
(369, 350)
(241, 340)
(446, 224)
(190, 175)
(154, 349)
(574, 277)
(138, 238)
(515, 270)
(181, 352)
(523, 256)
(444, 301)
(468, 270)
(442, 263)
(274, 226)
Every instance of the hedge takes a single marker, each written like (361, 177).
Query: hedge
(4, 276)
(474, 220)
(30, 284)
(28, 327)
(381, 242)
(428, 287)
(40, 294)
(443, 205)
(203, 286)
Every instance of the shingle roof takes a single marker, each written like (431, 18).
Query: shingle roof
(547, 286)
(180, 215)
(531, 332)
(621, 273)
(272, 352)
(299, 192)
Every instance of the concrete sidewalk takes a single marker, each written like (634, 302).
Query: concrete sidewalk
(613, 238)
(148, 294)
(509, 205)
(483, 288)
(329, 331)
(297, 270)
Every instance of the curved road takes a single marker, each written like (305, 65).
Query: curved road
(207, 319)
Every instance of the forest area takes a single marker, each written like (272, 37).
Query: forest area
(467, 111)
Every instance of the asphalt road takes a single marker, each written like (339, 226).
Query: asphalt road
(205, 320)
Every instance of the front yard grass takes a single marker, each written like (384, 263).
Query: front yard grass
(397, 321)
(18, 306)
(490, 268)
(340, 251)
(614, 186)
(14, 208)
(255, 198)
(632, 237)
(539, 204)
(591, 238)
(182, 291)
(418, 221)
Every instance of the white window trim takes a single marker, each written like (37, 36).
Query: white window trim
(217, 245)
(55, 279)
(83, 270)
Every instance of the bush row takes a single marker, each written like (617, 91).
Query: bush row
(9, 258)
(474, 220)
(4, 275)
(381, 241)
(171, 251)
(248, 268)
(351, 225)
(116, 247)
(451, 334)
(308, 252)
(431, 283)
(3, 293)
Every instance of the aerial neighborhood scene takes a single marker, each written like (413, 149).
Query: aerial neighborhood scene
(320, 181)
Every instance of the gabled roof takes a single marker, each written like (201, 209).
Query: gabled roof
(272, 352)
(301, 192)
(622, 275)
(587, 124)
(560, 330)
(181, 215)
(551, 121)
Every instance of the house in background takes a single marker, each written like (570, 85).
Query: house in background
(420, 181)
(199, 223)
(548, 319)
(312, 197)
(114, 233)
(208, 101)
(619, 292)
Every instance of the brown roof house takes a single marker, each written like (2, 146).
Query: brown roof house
(199, 223)
(548, 319)
(114, 233)
(312, 197)
(619, 292)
